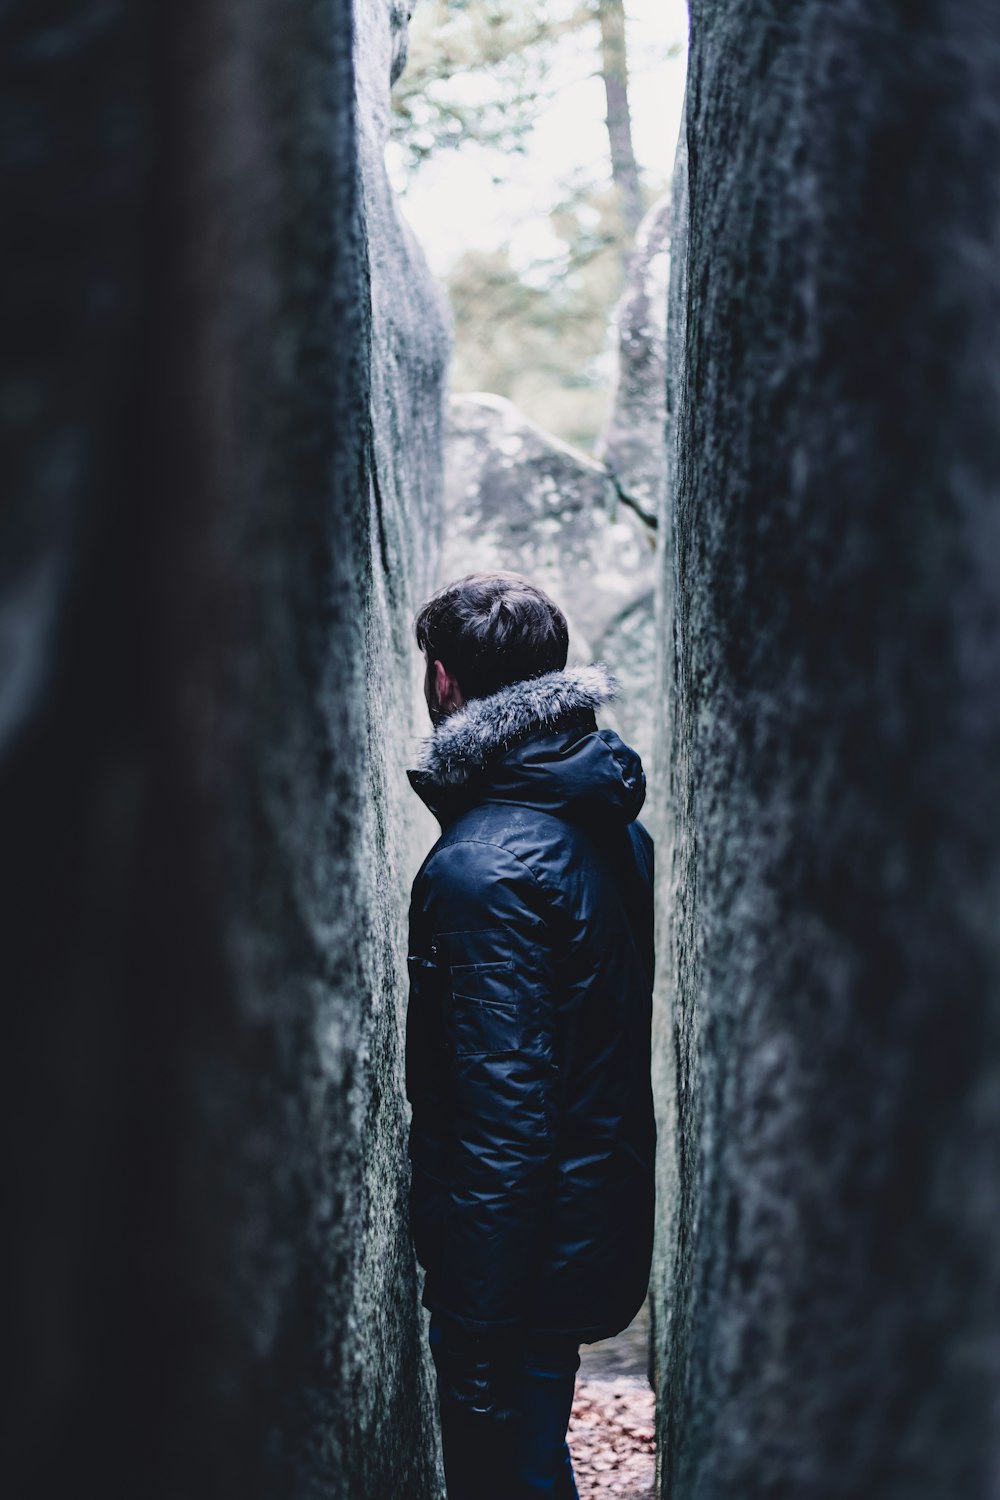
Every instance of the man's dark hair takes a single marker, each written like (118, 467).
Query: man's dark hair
(492, 629)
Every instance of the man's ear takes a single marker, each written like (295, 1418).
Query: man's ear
(449, 694)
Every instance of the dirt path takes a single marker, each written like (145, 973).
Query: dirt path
(611, 1431)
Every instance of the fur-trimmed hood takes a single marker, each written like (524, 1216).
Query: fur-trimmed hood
(536, 743)
(475, 734)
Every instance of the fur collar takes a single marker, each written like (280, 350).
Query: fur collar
(466, 740)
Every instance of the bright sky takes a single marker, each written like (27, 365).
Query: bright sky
(453, 203)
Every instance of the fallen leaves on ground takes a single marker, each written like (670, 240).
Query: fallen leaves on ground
(612, 1438)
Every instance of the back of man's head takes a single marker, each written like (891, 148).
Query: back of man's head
(491, 629)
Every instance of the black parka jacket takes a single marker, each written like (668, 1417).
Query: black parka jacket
(528, 1028)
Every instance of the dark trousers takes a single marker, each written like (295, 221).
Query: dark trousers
(525, 1457)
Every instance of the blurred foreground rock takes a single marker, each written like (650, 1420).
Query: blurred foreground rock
(221, 414)
(828, 1282)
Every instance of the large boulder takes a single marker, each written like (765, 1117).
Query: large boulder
(828, 1278)
(221, 407)
(582, 527)
(517, 498)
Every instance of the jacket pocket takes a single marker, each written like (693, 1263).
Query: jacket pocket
(485, 1016)
(485, 1011)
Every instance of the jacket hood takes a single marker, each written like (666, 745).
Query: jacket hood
(534, 743)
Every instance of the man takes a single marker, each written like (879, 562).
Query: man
(528, 1032)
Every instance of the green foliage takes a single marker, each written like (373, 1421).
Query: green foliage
(540, 336)
(476, 72)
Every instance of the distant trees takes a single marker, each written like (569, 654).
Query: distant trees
(481, 73)
(614, 71)
(476, 72)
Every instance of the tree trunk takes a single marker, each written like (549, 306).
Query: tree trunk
(614, 71)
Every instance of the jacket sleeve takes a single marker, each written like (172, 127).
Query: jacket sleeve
(491, 935)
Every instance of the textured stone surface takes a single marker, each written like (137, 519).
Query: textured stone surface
(632, 445)
(221, 409)
(518, 498)
(828, 1292)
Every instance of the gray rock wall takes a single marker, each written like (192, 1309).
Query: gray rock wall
(221, 411)
(828, 1280)
(632, 444)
